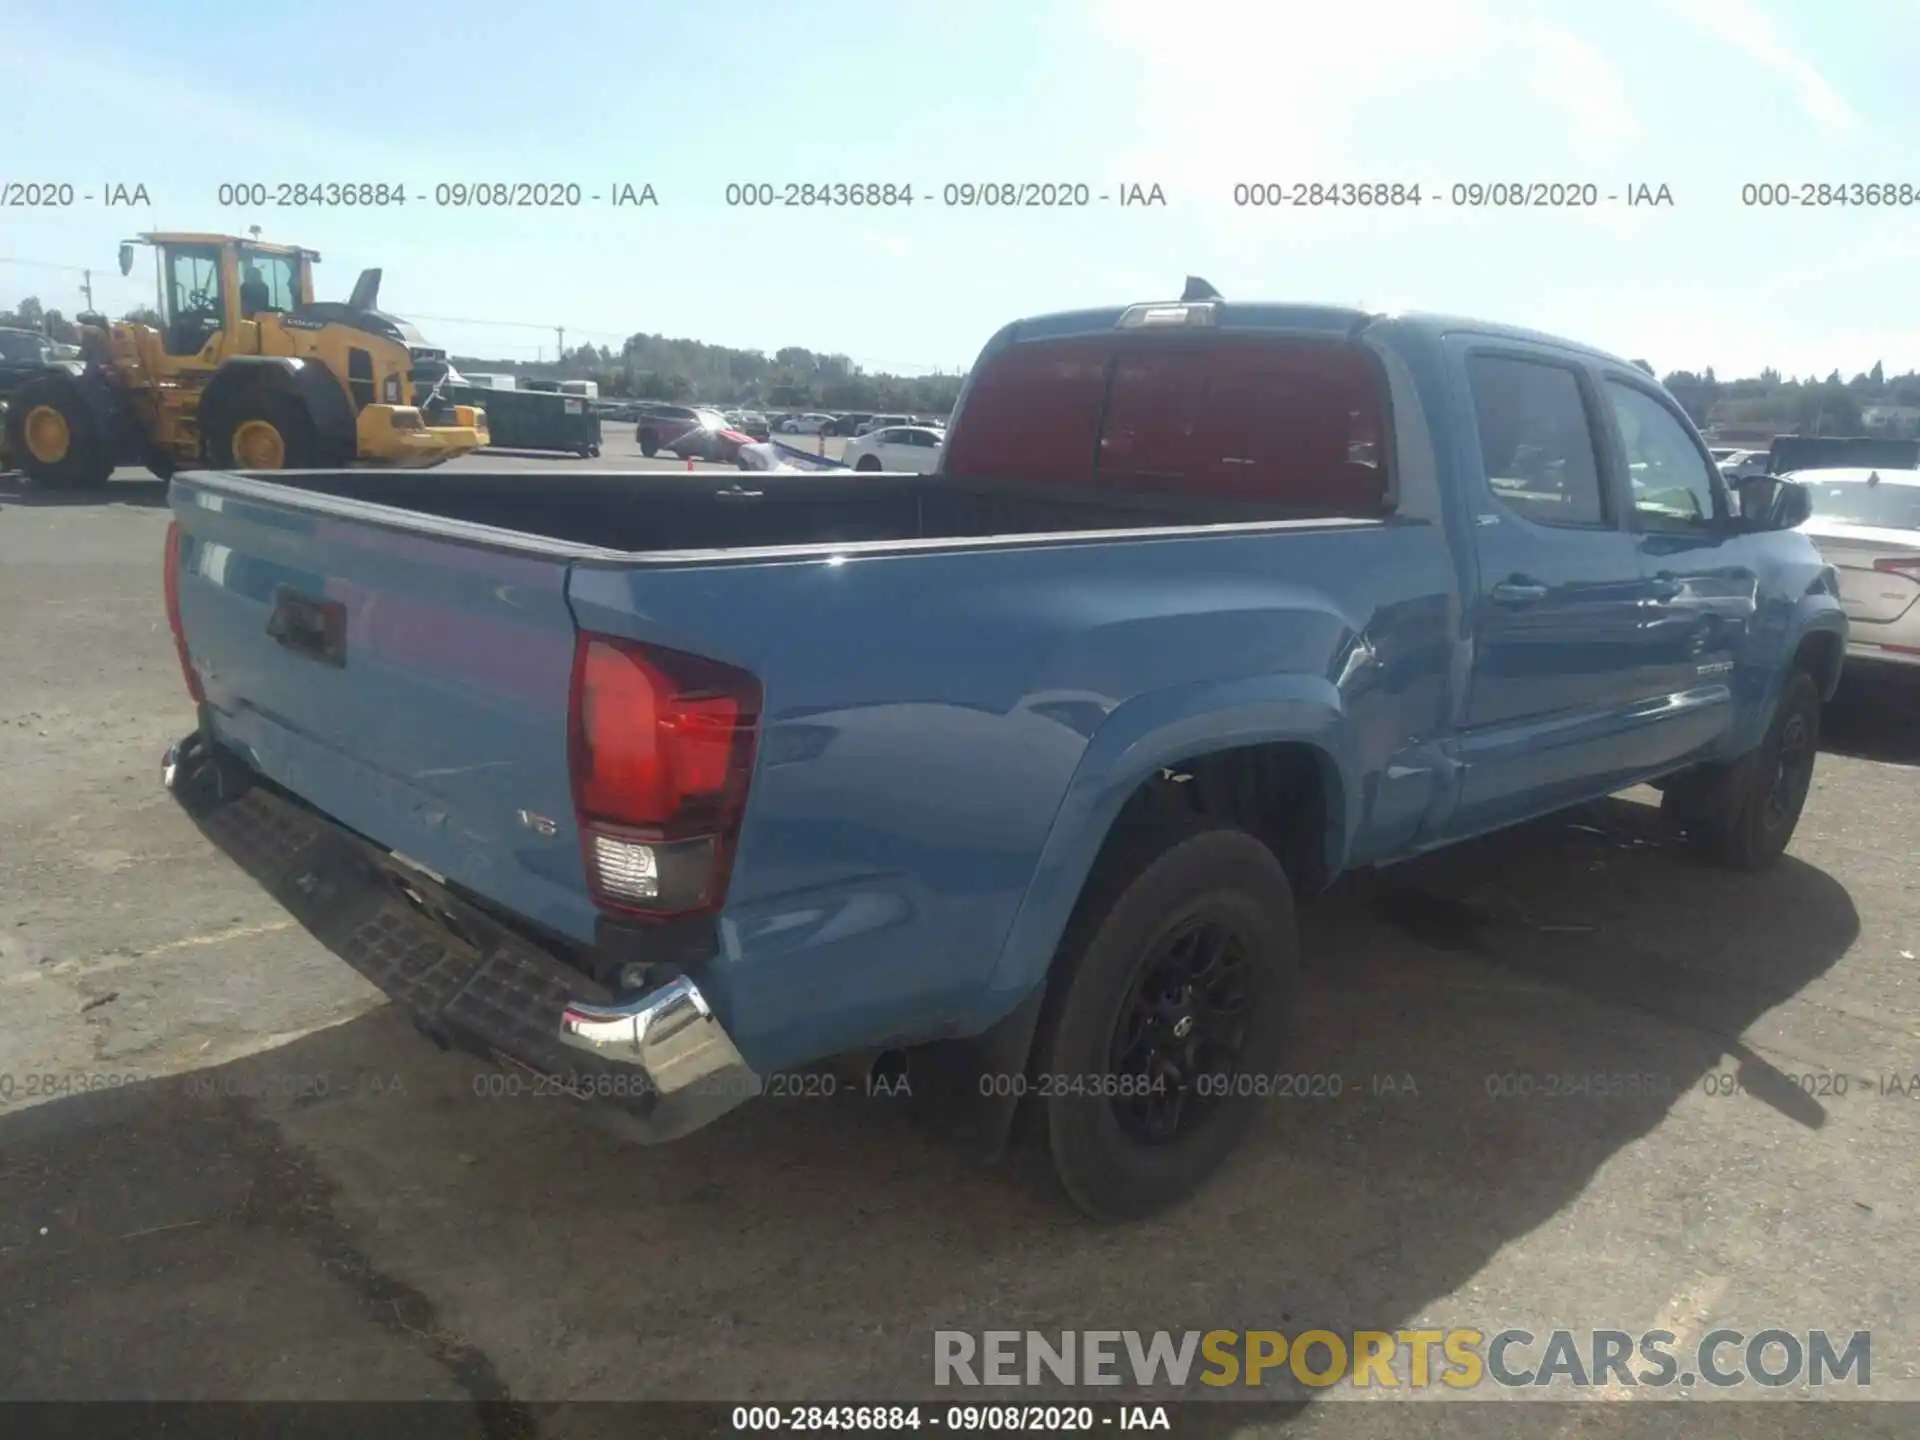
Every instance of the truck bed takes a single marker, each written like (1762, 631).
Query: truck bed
(641, 511)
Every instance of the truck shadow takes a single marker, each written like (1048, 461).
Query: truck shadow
(144, 491)
(392, 1198)
(1872, 716)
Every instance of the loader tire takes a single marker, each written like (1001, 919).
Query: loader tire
(264, 430)
(60, 431)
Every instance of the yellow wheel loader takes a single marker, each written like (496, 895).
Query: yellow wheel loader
(245, 371)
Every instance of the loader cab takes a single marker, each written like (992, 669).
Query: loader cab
(195, 289)
(272, 281)
(212, 285)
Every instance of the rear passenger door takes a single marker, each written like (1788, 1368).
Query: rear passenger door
(1556, 616)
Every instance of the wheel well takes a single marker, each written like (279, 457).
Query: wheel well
(1820, 655)
(312, 387)
(1279, 793)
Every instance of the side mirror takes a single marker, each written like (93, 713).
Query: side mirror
(1769, 503)
(126, 259)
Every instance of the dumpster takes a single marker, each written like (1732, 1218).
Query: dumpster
(534, 419)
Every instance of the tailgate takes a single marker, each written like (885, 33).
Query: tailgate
(407, 675)
(1869, 596)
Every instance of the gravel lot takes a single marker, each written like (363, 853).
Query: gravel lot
(297, 1197)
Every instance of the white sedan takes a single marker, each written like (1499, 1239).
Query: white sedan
(807, 424)
(1867, 525)
(912, 448)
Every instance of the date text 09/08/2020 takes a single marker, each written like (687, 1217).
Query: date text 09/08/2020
(955, 1419)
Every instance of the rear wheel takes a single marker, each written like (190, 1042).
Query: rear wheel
(264, 430)
(60, 433)
(1742, 815)
(649, 444)
(1175, 995)
(868, 462)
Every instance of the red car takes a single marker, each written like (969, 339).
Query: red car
(688, 432)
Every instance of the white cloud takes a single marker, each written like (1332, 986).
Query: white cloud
(1573, 76)
(1740, 26)
(1219, 86)
(1223, 91)
(883, 242)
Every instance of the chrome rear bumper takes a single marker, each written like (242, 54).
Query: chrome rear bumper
(672, 1034)
(662, 1059)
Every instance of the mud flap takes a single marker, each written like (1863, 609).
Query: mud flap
(953, 1082)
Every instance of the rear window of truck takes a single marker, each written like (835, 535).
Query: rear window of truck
(1278, 420)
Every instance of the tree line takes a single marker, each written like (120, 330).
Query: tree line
(659, 367)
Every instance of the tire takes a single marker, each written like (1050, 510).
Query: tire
(60, 432)
(649, 443)
(263, 429)
(1116, 1158)
(868, 462)
(1742, 815)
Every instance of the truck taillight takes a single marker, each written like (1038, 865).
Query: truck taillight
(661, 749)
(171, 583)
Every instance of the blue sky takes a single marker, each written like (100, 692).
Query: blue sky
(1699, 95)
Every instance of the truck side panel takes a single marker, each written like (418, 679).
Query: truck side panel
(974, 682)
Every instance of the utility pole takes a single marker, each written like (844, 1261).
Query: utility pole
(560, 343)
(86, 287)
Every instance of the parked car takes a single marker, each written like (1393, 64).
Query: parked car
(908, 448)
(1867, 525)
(750, 422)
(688, 433)
(1797, 454)
(849, 424)
(1015, 772)
(883, 422)
(23, 354)
(1738, 464)
(808, 425)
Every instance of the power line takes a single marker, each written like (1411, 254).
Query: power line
(519, 325)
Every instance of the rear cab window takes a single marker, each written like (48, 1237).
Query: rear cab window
(1281, 421)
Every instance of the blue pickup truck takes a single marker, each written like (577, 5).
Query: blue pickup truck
(1011, 774)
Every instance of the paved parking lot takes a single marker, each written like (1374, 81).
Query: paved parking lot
(293, 1195)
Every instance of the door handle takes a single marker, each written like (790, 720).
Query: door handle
(1519, 591)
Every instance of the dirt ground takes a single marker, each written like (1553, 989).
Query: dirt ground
(283, 1192)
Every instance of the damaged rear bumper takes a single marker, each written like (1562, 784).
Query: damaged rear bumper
(466, 978)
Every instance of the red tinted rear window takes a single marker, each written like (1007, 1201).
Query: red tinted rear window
(1248, 418)
(1034, 413)
(1280, 420)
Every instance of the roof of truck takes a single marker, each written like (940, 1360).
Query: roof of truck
(1330, 320)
